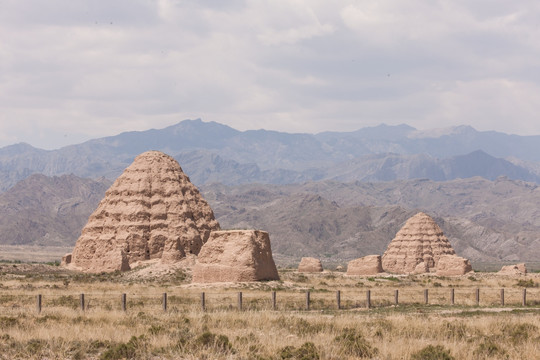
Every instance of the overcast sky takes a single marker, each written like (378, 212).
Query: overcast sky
(74, 70)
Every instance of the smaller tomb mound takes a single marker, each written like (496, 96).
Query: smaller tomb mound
(517, 269)
(367, 265)
(310, 265)
(417, 247)
(453, 265)
(235, 256)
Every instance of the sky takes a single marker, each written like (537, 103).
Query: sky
(74, 70)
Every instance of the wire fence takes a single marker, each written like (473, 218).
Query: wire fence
(272, 300)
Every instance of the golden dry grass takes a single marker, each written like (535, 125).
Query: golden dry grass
(465, 331)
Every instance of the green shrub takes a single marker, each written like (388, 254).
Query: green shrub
(34, 346)
(127, 350)
(431, 352)
(211, 340)
(526, 283)
(7, 321)
(307, 351)
(518, 333)
(353, 343)
(490, 350)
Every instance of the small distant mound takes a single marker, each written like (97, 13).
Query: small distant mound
(152, 211)
(517, 269)
(417, 247)
(310, 265)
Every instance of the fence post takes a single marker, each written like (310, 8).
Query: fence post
(338, 299)
(307, 300)
(477, 296)
(396, 297)
(524, 300)
(426, 296)
(239, 301)
(203, 302)
(452, 296)
(274, 307)
(81, 298)
(38, 304)
(502, 297)
(124, 302)
(368, 299)
(164, 302)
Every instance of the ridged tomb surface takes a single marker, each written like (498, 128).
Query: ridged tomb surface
(151, 211)
(367, 265)
(235, 256)
(417, 247)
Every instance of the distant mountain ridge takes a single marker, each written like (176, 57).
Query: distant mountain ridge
(214, 152)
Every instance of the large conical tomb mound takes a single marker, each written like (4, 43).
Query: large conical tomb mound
(152, 211)
(417, 247)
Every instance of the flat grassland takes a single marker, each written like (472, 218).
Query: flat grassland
(410, 330)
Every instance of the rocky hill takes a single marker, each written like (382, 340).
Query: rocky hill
(213, 152)
(48, 211)
(484, 220)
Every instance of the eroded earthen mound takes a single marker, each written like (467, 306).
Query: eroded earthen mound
(453, 265)
(367, 265)
(151, 211)
(417, 247)
(235, 256)
(310, 265)
(518, 269)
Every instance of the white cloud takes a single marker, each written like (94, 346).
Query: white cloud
(92, 69)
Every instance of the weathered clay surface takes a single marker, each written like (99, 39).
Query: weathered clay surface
(66, 260)
(518, 269)
(235, 256)
(151, 211)
(417, 247)
(453, 265)
(310, 265)
(367, 265)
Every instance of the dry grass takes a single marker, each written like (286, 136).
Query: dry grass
(407, 331)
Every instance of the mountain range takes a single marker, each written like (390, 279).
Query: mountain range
(484, 220)
(332, 195)
(212, 152)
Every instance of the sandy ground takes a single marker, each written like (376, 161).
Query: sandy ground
(33, 253)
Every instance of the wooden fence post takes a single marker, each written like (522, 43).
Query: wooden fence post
(452, 296)
(274, 305)
(338, 299)
(477, 296)
(124, 302)
(368, 299)
(524, 300)
(81, 300)
(239, 301)
(307, 300)
(426, 296)
(203, 302)
(396, 297)
(502, 297)
(38, 304)
(164, 302)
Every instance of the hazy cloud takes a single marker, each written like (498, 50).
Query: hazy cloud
(73, 70)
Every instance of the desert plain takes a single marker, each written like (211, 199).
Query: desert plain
(258, 330)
